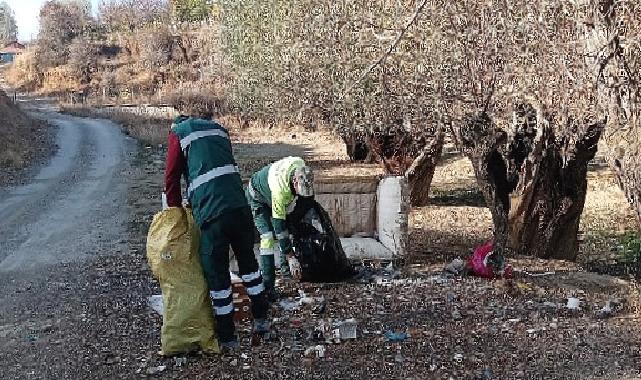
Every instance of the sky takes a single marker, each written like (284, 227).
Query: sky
(26, 12)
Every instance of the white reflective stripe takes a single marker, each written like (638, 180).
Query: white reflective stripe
(267, 252)
(213, 173)
(267, 235)
(224, 309)
(256, 290)
(220, 294)
(282, 235)
(184, 142)
(254, 194)
(250, 277)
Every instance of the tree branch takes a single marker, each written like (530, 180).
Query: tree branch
(391, 47)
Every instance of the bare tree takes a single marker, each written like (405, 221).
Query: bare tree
(8, 26)
(83, 58)
(129, 15)
(613, 40)
(60, 23)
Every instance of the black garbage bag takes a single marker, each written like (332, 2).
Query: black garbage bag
(317, 246)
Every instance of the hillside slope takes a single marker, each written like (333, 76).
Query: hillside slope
(22, 138)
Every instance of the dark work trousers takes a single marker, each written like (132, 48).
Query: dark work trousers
(236, 228)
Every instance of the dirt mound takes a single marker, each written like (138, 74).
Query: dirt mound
(22, 137)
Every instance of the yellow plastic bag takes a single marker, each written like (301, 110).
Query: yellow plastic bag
(172, 252)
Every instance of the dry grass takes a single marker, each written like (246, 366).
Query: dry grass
(147, 129)
(21, 136)
(443, 231)
(456, 221)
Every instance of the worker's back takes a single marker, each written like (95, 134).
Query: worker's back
(215, 185)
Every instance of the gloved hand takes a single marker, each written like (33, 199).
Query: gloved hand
(294, 267)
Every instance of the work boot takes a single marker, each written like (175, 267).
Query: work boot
(284, 269)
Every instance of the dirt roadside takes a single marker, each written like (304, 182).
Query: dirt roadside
(90, 320)
(28, 142)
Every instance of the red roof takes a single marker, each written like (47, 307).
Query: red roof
(12, 48)
(14, 44)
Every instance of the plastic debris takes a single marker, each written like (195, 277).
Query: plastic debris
(392, 336)
(318, 351)
(155, 302)
(455, 267)
(573, 303)
(347, 329)
(289, 305)
(156, 370)
(320, 308)
(180, 361)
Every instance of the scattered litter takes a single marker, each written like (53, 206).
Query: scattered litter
(487, 374)
(458, 357)
(530, 274)
(392, 336)
(455, 267)
(179, 362)
(289, 305)
(156, 370)
(399, 356)
(336, 334)
(320, 308)
(573, 303)
(317, 351)
(611, 306)
(347, 329)
(233, 363)
(485, 263)
(155, 302)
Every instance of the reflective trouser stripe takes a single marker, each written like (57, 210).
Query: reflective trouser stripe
(250, 277)
(187, 140)
(255, 290)
(267, 251)
(223, 310)
(210, 175)
(220, 294)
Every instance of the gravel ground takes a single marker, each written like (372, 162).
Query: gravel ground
(90, 319)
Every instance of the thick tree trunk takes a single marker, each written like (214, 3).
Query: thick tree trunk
(534, 181)
(420, 174)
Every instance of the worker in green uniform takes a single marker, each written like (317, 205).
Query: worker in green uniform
(200, 149)
(272, 193)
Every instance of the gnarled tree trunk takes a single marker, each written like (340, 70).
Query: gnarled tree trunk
(533, 179)
(420, 174)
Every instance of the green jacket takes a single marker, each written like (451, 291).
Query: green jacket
(214, 183)
(272, 187)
